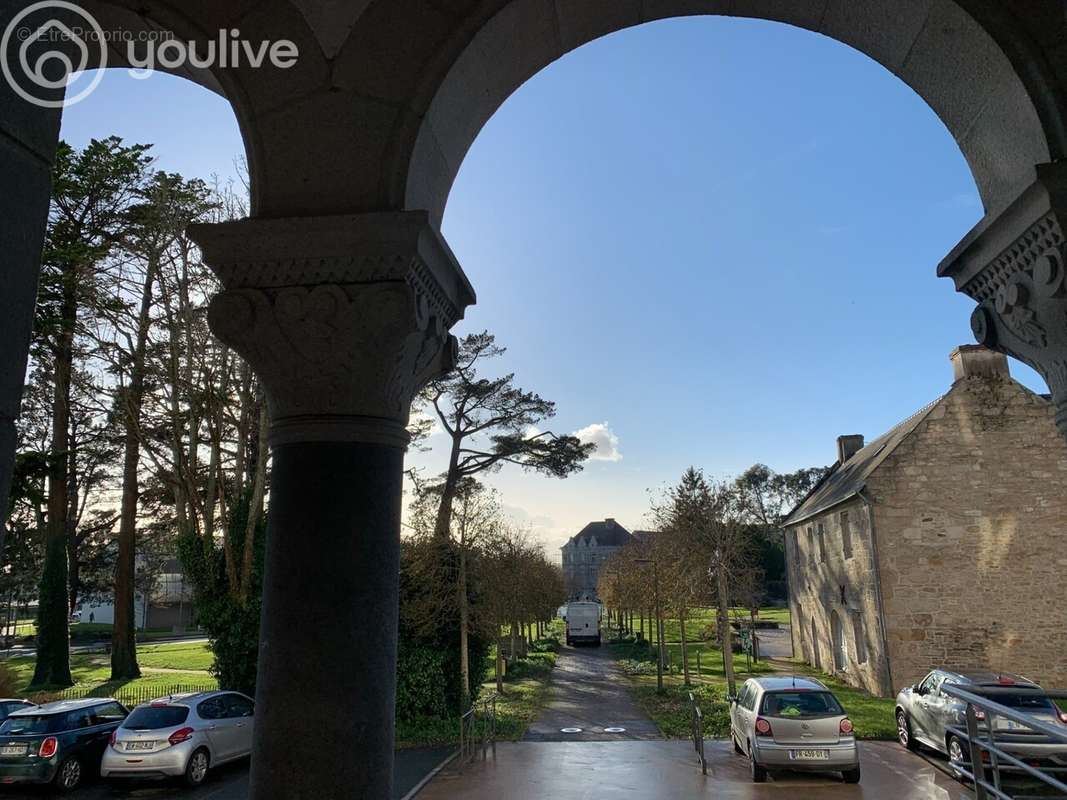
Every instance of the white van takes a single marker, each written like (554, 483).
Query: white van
(583, 623)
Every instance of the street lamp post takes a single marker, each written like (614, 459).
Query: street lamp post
(659, 619)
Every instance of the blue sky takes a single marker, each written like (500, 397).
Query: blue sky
(715, 237)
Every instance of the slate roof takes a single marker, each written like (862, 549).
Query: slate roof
(608, 533)
(643, 536)
(847, 480)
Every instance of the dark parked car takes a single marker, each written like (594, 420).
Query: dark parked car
(7, 706)
(60, 743)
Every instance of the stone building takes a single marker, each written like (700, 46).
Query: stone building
(586, 551)
(942, 543)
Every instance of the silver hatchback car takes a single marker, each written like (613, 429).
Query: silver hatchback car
(181, 736)
(793, 723)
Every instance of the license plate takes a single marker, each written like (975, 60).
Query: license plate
(13, 750)
(809, 755)
(132, 746)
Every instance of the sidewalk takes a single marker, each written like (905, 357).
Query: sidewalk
(667, 770)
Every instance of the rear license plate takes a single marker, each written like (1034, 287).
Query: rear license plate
(809, 755)
(13, 750)
(132, 746)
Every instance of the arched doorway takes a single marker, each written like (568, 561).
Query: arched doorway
(816, 660)
(840, 646)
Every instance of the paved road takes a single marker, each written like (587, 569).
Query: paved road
(588, 692)
(229, 782)
(667, 770)
(26, 650)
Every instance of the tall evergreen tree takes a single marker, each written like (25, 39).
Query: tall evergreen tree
(91, 193)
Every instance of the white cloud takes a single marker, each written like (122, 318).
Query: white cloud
(607, 443)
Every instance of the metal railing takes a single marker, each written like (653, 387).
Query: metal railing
(698, 733)
(129, 696)
(477, 730)
(982, 747)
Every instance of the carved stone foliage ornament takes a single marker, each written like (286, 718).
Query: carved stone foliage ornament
(1013, 266)
(344, 319)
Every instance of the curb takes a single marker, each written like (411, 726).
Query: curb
(418, 787)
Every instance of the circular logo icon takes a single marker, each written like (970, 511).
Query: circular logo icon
(44, 45)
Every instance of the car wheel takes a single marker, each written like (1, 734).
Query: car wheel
(957, 756)
(69, 775)
(759, 773)
(904, 735)
(851, 775)
(196, 769)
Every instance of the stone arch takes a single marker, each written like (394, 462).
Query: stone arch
(1004, 117)
(250, 95)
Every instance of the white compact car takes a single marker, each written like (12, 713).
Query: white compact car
(793, 723)
(181, 736)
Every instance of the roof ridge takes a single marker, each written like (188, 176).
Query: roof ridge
(850, 477)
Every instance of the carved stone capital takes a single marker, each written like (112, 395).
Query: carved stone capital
(1014, 266)
(343, 318)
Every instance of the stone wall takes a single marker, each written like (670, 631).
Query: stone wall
(842, 583)
(971, 520)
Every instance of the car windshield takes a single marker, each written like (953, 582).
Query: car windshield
(151, 718)
(800, 704)
(1022, 701)
(30, 724)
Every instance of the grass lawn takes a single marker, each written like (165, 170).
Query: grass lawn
(91, 671)
(872, 716)
(703, 618)
(176, 655)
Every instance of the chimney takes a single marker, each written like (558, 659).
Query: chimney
(975, 361)
(848, 446)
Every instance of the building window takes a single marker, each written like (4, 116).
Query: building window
(857, 632)
(846, 535)
(811, 546)
(822, 544)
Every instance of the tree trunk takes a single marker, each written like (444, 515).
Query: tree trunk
(499, 668)
(443, 523)
(725, 634)
(123, 631)
(255, 507)
(464, 622)
(682, 612)
(53, 636)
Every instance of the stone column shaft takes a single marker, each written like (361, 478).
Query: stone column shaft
(343, 319)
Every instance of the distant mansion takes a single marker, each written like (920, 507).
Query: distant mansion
(586, 551)
(942, 543)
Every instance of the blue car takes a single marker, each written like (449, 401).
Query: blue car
(59, 743)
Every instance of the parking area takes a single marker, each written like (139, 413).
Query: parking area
(228, 782)
(667, 770)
